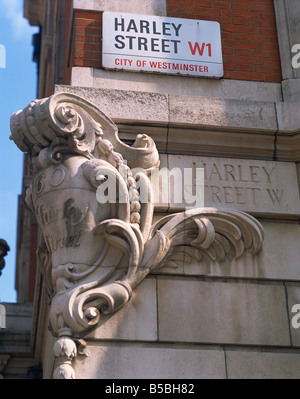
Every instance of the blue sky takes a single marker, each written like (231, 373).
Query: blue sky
(18, 87)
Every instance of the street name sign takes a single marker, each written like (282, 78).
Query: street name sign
(146, 43)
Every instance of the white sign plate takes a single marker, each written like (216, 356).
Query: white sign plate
(160, 44)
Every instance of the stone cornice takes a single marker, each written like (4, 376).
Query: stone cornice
(185, 111)
(203, 126)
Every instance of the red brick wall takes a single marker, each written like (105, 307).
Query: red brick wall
(87, 39)
(249, 36)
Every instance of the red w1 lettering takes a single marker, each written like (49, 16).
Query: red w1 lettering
(196, 47)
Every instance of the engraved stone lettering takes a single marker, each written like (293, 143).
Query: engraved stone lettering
(216, 194)
(248, 185)
(240, 195)
(229, 172)
(46, 215)
(57, 242)
(73, 215)
(229, 195)
(237, 173)
(268, 173)
(254, 174)
(240, 174)
(215, 172)
(255, 192)
(276, 196)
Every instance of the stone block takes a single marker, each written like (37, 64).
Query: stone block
(276, 260)
(288, 117)
(82, 77)
(84, 4)
(222, 113)
(16, 336)
(18, 317)
(190, 141)
(262, 365)
(128, 105)
(288, 143)
(190, 310)
(137, 320)
(279, 258)
(151, 7)
(258, 187)
(291, 89)
(121, 361)
(185, 86)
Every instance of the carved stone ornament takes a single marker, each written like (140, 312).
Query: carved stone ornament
(94, 254)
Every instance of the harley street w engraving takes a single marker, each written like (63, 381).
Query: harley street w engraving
(248, 185)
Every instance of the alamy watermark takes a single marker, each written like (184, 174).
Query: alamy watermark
(296, 318)
(176, 186)
(2, 56)
(2, 317)
(296, 57)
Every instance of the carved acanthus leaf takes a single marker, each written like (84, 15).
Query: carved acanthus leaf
(202, 232)
(76, 125)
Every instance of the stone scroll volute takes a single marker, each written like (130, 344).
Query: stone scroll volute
(94, 254)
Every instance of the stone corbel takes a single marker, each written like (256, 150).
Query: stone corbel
(94, 254)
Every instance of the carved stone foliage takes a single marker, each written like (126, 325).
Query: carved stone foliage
(94, 254)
